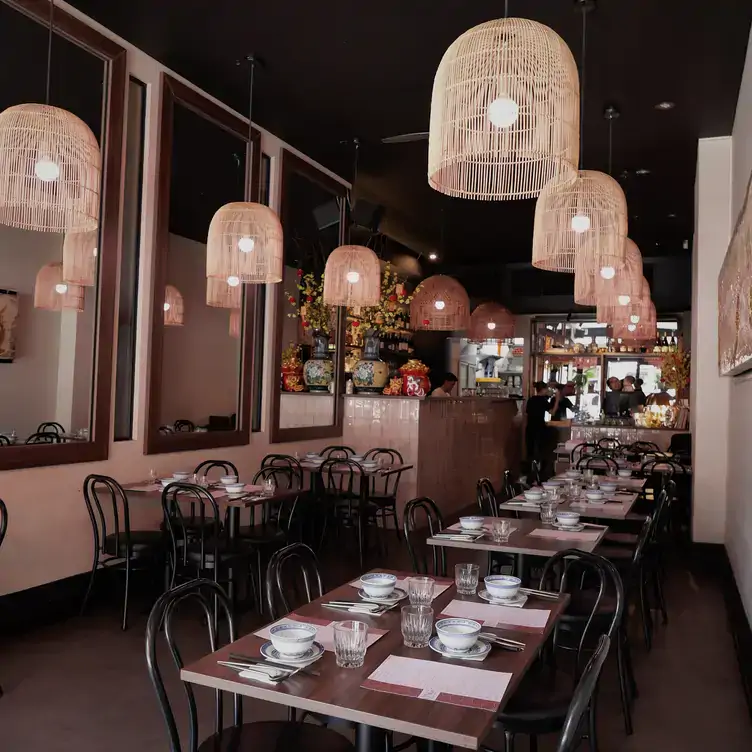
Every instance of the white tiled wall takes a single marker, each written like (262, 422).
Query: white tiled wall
(298, 410)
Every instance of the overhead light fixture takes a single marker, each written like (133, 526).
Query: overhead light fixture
(439, 304)
(632, 327)
(53, 293)
(504, 112)
(80, 257)
(625, 285)
(173, 306)
(491, 325)
(608, 272)
(245, 238)
(624, 299)
(642, 171)
(432, 256)
(491, 321)
(665, 105)
(352, 277)
(224, 293)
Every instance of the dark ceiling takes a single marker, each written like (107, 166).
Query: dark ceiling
(339, 69)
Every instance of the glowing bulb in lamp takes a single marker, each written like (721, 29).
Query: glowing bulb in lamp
(634, 318)
(166, 306)
(61, 288)
(624, 299)
(46, 170)
(608, 272)
(233, 281)
(503, 112)
(491, 325)
(580, 223)
(246, 244)
(632, 327)
(439, 305)
(352, 277)
(94, 252)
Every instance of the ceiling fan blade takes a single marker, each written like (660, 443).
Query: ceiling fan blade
(405, 138)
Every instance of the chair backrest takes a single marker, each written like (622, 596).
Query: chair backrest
(295, 475)
(3, 521)
(597, 462)
(225, 466)
(586, 447)
(643, 447)
(50, 426)
(608, 442)
(341, 452)
(185, 425)
(283, 515)
(211, 599)
(387, 485)
(44, 437)
(489, 506)
(4, 440)
(99, 489)
(572, 731)
(338, 477)
(435, 524)
(166, 429)
(535, 471)
(277, 586)
(575, 570)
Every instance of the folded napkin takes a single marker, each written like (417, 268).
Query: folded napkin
(263, 675)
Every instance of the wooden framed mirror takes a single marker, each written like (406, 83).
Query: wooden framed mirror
(55, 359)
(202, 378)
(308, 341)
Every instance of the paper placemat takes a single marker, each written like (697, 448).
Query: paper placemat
(324, 632)
(583, 535)
(143, 487)
(219, 493)
(440, 584)
(486, 528)
(520, 501)
(520, 619)
(440, 682)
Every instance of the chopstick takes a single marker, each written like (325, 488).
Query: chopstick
(540, 593)
(237, 659)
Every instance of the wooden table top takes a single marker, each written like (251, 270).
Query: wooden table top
(380, 471)
(337, 692)
(632, 483)
(521, 542)
(146, 489)
(607, 511)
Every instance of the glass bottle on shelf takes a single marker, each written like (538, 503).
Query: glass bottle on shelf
(657, 345)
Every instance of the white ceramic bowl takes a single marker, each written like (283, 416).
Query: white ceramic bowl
(607, 488)
(181, 475)
(293, 639)
(357, 458)
(595, 497)
(568, 519)
(227, 480)
(625, 473)
(369, 464)
(534, 495)
(471, 523)
(458, 634)
(166, 481)
(312, 454)
(502, 585)
(235, 488)
(378, 584)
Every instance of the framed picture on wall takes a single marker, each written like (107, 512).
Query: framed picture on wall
(8, 315)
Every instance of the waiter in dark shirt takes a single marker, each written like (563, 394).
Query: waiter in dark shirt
(561, 402)
(535, 428)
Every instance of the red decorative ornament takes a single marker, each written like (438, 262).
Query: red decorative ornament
(304, 324)
(392, 298)
(300, 272)
(309, 299)
(291, 299)
(356, 323)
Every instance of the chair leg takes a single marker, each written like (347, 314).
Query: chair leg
(658, 591)
(508, 741)
(623, 688)
(645, 613)
(396, 524)
(592, 724)
(91, 584)
(127, 590)
(630, 668)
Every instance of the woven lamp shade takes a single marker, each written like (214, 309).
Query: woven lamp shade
(352, 277)
(491, 321)
(626, 283)
(173, 306)
(51, 293)
(579, 223)
(50, 170)
(245, 241)
(584, 283)
(504, 112)
(645, 329)
(235, 323)
(219, 294)
(80, 250)
(638, 307)
(440, 304)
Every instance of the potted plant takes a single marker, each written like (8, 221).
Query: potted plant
(292, 369)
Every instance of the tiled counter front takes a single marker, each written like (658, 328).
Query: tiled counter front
(661, 437)
(302, 409)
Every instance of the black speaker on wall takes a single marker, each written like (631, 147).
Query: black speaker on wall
(326, 214)
(366, 214)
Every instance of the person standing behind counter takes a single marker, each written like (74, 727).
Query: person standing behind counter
(535, 420)
(445, 390)
(561, 402)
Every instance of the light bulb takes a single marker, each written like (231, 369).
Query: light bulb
(491, 325)
(503, 112)
(634, 318)
(608, 272)
(580, 223)
(352, 277)
(61, 288)
(46, 170)
(233, 281)
(632, 327)
(439, 305)
(624, 299)
(432, 257)
(166, 306)
(94, 252)
(246, 244)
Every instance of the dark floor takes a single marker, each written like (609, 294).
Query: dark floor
(82, 685)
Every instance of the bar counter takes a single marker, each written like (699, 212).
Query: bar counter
(451, 442)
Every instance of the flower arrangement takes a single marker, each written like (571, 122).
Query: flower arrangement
(291, 356)
(391, 315)
(675, 370)
(309, 304)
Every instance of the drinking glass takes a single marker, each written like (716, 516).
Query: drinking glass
(612, 471)
(417, 625)
(466, 578)
(350, 643)
(548, 512)
(501, 528)
(420, 591)
(153, 475)
(270, 487)
(588, 476)
(553, 494)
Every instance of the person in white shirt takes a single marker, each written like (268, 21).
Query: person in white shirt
(445, 390)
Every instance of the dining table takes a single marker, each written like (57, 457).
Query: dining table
(617, 506)
(633, 483)
(449, 702)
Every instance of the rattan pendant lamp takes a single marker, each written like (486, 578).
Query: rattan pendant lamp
(632, 313)
(50, 166)
(625, 285)
(173, 306)
(52, 293)
(504, 112)
(352, 276)
(646, 329)
(223, 294)
(585, 216)
(440, 304)
(491, 321)
(80, 250)
(245, 238)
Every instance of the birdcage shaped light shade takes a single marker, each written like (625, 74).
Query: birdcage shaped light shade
(245, 243)
(235, 323)
(80, 252)
(644, 330)
(352, 277)
(583, 218)
(440, 304)
(173, 306)
(50, 170)
(223, 294)
(491, 321)
(626, 283)
(504, 112)
(52, 293)
(637, 309)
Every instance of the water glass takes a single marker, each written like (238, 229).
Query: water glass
(501, 529)
(417, 625)
(420, 591)
(466, 578)
(612, 471)
(553, 494)
(350, 643)
(153, 475)
(270, 487)
(548, 512)
(588, 476)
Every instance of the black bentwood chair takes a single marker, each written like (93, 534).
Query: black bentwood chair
(224, 466)
(117, 547)
(50, 427)
(184, 425)
(382, 494)
(435, 523)
(44, 437)
(261, 736)
(487, 503)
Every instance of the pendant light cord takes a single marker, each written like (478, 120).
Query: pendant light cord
(49, 50)
(506, 8)
(610, 144)
(582, 86)
(249, 168)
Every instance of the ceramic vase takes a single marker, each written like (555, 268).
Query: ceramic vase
(370, 373)
(318, 372)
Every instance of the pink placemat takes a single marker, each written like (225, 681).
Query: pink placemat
(440, 682)
(143, 487)
(564, 535)
(440, 584)
(502, 617)
(324, 632)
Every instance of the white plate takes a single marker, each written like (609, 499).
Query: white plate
(519, 600)
(571, 528)
(312, 654)
(479, 650)
(397, 595)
